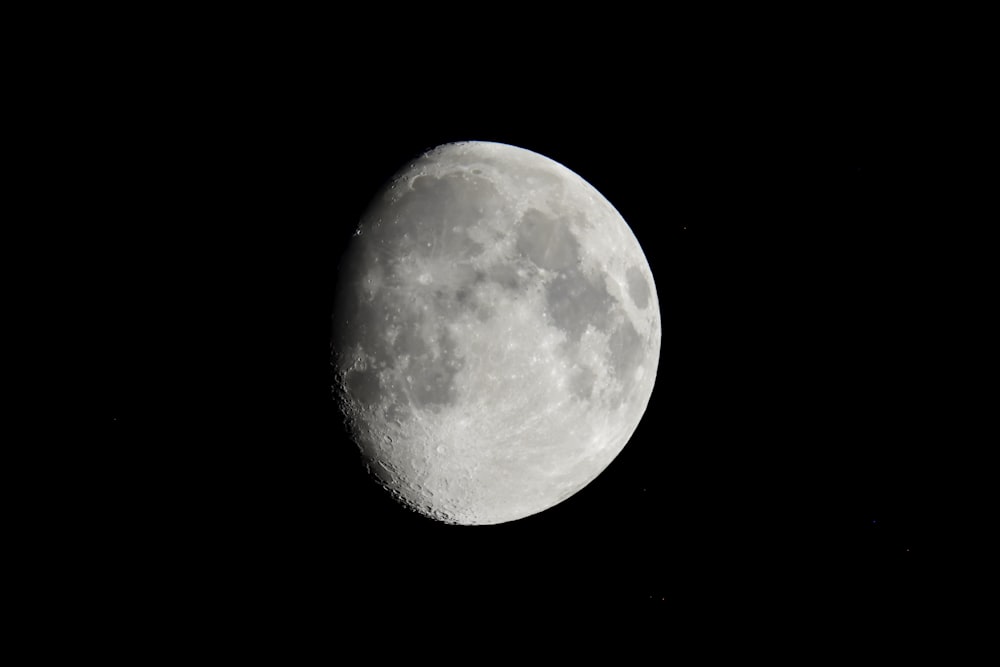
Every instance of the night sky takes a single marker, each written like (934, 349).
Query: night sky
(795, 235)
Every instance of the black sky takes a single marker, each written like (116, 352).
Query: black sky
(794, 231)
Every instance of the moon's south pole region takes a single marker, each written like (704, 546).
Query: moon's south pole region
(496, 334)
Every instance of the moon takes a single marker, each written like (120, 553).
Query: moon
(496, 334)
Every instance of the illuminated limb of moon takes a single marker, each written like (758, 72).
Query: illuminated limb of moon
(497, 334)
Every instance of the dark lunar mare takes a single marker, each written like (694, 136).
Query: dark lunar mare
(428, 221)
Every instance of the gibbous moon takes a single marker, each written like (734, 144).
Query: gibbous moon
(496, 334)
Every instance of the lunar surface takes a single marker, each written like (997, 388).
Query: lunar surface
(496, 334)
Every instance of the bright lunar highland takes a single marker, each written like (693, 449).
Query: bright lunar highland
(496, 334)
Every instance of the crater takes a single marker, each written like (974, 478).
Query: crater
(638, 288)
(526, 172)
(547, 241)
